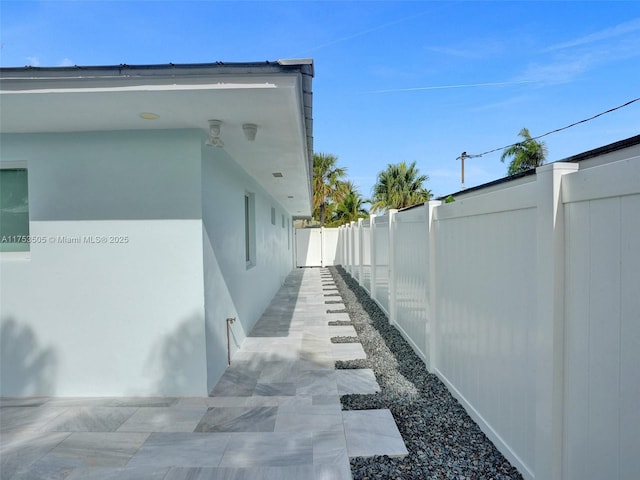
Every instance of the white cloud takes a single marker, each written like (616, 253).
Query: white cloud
(558, 71)
(620, 29)
(66, 63)
(33, 61)
(462, 85)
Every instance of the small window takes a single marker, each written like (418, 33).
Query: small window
(288, 236)
(249, 230)
(14, 210)
(283, 220)
(273, 216)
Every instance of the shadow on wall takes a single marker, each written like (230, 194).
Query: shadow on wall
(179, 360)
(26, 368)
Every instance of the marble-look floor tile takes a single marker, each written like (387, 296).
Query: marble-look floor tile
(319, 321)
(225, 401)
(90, 419)
(142, 402)
(79, 401)
(372, 432)
(164, 419)
(361, 381)
(102, 473)
(18, 451)
(89, 449)
(268, 449)
(266, 344)
(317, 362)
(329, 448)
(112, 401)
(238, 419)
(278, 372)
(313, 418)
(181, 450)
(22, 401)
(302, 472)
(276, 401)
(233, 386)
(275, 389)
(333, 472)
(27, 418)
(317, 382)
(325, 399)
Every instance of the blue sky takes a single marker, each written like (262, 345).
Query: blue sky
(395, 80)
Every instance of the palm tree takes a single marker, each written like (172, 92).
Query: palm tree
(328, 186)
(351, 207)
(526, 154)
(399, 186)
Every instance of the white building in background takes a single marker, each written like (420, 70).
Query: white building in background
(133, 226)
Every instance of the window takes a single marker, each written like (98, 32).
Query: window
(249, 229)
(273, 216)
(14, 210)
(288, 236)
(283, 220)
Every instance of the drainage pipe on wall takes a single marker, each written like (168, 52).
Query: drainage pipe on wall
(230, 320)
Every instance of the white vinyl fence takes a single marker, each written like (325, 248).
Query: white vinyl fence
(525, 301)
(316, 247)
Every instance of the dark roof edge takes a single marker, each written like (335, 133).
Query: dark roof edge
(304, 65)
(596, 152)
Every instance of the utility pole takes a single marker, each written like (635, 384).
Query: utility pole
(462, 156)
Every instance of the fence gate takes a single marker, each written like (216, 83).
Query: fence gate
(308, 247)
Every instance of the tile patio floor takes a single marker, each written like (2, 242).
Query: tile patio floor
(274, 414)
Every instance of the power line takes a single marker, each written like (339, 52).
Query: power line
(466, 155)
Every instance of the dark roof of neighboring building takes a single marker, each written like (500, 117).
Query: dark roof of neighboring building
(596, 152)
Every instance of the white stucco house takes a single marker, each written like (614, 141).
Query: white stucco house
(142, 206)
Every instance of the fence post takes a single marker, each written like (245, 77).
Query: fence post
(372, 254)
(432, 299)
(360, 255)
(550, 320)
(352, 249)
(322, 247)
(392, 267)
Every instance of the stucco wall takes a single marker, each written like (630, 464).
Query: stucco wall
(231, 288)
(96, 319)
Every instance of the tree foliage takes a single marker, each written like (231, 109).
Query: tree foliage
(328, 185)
(524, 155)
(399, 186)
(350, 208)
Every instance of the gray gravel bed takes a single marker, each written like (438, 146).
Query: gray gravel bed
(442, 440)
(345, 340)
(342, 310)
(339, 323)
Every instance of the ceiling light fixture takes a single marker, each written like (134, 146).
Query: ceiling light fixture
(277, 174)
(148, 115)
(214, 134)
(250, 130)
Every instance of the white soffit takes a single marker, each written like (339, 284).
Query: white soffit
(272, 102)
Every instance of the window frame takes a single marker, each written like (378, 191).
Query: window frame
(249, 229)
(19, 165)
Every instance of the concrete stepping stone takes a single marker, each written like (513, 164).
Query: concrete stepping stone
(359, 381)
(347, 351)
(372, 432)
